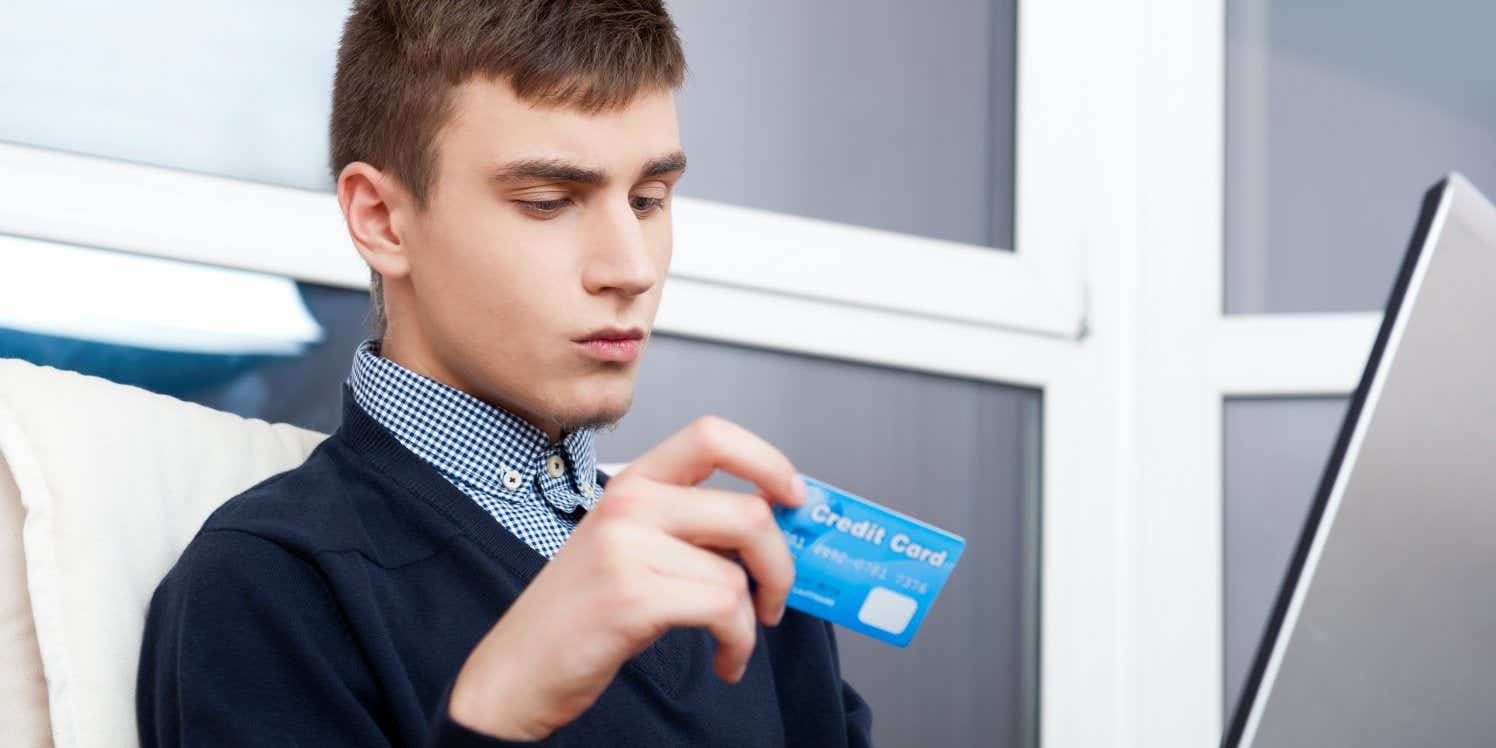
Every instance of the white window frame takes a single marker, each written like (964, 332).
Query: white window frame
(1189, 359)
(1110, 305)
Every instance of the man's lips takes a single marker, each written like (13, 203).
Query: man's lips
(612, 333)
(613, 344)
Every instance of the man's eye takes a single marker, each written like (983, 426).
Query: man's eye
(642, 203)
(542, 206)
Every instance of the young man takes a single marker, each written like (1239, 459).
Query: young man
(449, 568)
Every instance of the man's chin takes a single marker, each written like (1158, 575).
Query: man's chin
(602, 419)
(596, 415)
(587, 401)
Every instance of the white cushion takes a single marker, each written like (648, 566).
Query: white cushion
(108, 483)
(23, 688)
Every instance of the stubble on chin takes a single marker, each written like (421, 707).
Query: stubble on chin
(602, 418)
(601, 421)
(566, 414)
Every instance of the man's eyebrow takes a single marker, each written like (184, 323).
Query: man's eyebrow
(673, 162)
(558, 170)
(553, 169)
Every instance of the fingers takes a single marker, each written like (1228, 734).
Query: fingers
(727, 616)
(715, 518)
(711, 443)
(696, 586)
(672, 557)
(679, 584)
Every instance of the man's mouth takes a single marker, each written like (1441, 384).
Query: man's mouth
(612, 343)
(613, 333)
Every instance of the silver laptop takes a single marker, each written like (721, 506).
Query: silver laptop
(1384, 632)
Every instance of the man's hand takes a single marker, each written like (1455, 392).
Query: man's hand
(649, 557)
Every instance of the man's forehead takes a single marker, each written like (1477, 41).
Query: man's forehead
(493, 124)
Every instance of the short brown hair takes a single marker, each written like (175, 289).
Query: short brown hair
(400, 59)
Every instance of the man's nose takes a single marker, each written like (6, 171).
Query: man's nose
(618, 256)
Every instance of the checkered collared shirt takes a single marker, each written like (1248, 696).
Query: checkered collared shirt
(531, 486)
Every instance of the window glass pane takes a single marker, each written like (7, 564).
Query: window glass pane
(1275, 454)
(256, 345)
(1338, 116)
(873, 112)
(961, 454)
(214, 86)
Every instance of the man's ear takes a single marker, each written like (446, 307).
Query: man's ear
(374, 205)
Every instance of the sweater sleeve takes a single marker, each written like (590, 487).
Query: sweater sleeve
(244, 646)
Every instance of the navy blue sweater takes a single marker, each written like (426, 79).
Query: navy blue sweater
(333, 604)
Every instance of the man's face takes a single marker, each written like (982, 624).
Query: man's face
(544, 226)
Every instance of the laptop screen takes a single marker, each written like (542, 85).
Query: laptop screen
(1384, 632)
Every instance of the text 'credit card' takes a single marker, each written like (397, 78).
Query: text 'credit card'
(863, 566)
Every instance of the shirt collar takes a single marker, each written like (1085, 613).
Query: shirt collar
(468, 440)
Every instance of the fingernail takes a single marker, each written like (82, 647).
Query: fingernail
(780, 615)
(739, 677)
(799, 489)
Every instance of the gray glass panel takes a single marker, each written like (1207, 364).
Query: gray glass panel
(874, 112)
(1275, 452)
(1338, 116)
(963, 455)
(214, 86)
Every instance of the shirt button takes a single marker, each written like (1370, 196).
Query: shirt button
(512, 479)
(587, 490)
(555, 466)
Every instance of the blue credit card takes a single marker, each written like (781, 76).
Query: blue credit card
(863, 566)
